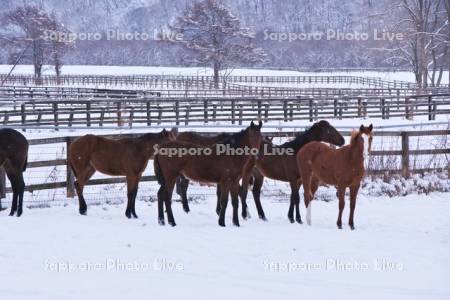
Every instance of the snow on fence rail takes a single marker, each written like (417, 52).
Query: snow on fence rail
(198, 82)
(126, 110)
(405, 152)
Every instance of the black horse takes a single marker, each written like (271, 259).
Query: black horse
(283, 166)
(13, 158)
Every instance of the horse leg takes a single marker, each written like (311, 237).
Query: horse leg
(132, 188)
(295, 198)
(353, 193)
(161, 198)
(218, 189)
(307, 195)
(258, 180)
(15, 187)
(234, 191)
(341, 196)
(168, 202)
(183, 185)
(224, 189)
(21, 190)
(83, 177)
(243, 191)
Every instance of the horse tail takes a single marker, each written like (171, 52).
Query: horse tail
(25, 164)
(158, 171)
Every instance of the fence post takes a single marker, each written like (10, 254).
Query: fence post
(205, 110)
(311, 110)
(407, 108)
(70, 177)
(285, 110)
(55, 115)
(233, 104)
(383, 108)
(405, 154)
(359, 107)
(430, 108)
(88, 114)
(177, 112)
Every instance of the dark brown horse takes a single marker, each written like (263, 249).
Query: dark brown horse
(14, 157)
(206, 165)
(122, 157)
(343, 167)
(279, 163)
(201, 140)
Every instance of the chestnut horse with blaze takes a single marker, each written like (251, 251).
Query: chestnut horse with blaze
(223, 169)
(116, 157)
(343, 167)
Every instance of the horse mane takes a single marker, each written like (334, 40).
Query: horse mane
(353, 136)
(299, 141)
(234, 140)
(150, 136)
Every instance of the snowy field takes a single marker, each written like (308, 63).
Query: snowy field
(140, 70)
(399, 250)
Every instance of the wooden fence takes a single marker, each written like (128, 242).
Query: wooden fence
(130, 111)
(405, 152)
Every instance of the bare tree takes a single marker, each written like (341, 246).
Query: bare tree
(213, 35)
(425, 26)
(32, 22)
(59, 43)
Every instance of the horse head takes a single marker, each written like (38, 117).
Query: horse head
(322, 131)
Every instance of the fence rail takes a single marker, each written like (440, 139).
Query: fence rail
(126, 110)
(405, 152)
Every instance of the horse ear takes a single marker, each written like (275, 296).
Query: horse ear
(260, 124)
(252, 124)
(370, 127)
(174, 130)
(361, 128)
(164, 130)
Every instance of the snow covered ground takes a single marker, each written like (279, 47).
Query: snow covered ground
(140, 70)
(399, 250)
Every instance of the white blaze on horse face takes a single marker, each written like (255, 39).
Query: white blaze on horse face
(366, 144)
(308, 213)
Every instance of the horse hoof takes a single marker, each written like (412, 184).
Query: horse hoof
(339, 226)
(299, 221)
(291, 220)
(19, 213)
(222, 223)
(352, 227)
(83, 212)
(135, 216)
(262, 217)
(172, 223)
(186, 209)
(161, 222)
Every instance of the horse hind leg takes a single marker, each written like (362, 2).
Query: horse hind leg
(256, 191)
(168, 203)
(341, 196)
(234, 191)
(353, 193)
(15, 176)
(132, 188)
(295, 198)
(183, 185)
(224, 190)
(83, 177)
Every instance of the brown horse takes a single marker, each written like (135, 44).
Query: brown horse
(343, 167)
(206, 165)
(14, 157)
(122, 157)
(279, 163)
(182, 182)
